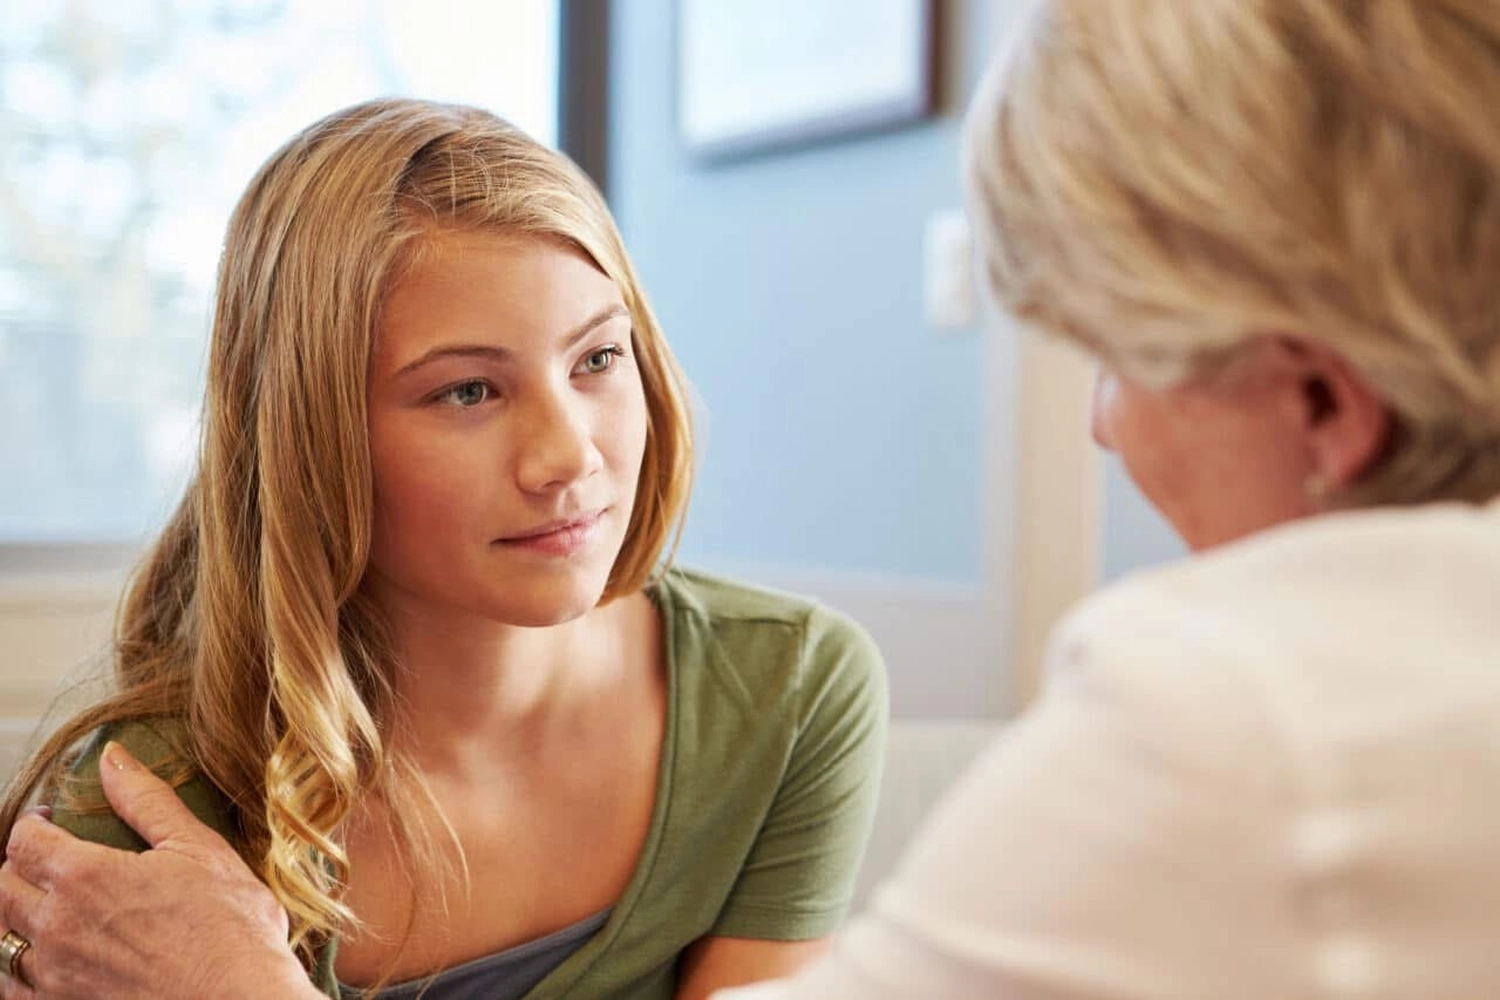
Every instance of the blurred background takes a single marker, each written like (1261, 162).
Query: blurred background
(871, 432)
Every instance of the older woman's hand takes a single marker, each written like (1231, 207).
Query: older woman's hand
(186, 919)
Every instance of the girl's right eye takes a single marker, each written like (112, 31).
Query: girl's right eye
(465, 394)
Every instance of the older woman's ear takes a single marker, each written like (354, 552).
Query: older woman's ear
(1348, 424)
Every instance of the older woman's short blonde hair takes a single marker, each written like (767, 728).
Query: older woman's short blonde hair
(1162, 181)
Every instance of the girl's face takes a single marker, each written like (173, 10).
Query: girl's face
(507, 429)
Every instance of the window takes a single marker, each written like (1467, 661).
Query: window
(127, 130)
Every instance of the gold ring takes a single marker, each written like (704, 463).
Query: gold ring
(12, 947)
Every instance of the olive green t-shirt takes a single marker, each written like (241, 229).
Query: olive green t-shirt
(769, 773)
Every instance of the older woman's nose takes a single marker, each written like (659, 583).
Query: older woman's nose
(1105, 388)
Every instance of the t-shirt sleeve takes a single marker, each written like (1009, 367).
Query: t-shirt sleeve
(798, 880)
(84, 812)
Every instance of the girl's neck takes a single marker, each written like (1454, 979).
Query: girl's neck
(465, 685)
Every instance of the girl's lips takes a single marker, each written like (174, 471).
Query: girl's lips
(563, 538)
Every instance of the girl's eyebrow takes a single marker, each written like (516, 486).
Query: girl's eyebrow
(495, 353)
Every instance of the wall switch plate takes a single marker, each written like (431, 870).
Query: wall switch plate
(948, 272)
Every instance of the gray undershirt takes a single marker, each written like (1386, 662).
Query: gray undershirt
(505, 975)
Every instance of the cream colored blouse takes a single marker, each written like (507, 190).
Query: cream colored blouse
(1271, 772)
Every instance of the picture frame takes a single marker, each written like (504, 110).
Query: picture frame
(760, 75)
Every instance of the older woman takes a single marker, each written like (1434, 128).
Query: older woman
(1268, 772)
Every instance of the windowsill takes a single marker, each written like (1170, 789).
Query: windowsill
(34, 575)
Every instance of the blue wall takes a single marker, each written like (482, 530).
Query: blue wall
(1135, 535)
(839, 432)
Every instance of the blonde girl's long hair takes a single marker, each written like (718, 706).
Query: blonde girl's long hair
(246, 619)
(1163, 181)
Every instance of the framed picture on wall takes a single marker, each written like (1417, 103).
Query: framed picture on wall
(755, 75)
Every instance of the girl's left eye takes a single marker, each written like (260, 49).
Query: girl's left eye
(600, 361)
(466, 394)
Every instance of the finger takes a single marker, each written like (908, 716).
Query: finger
(19, 900)
(42, 812)
(26, 967)
(148, 804)
(14, 989)
(40, 852)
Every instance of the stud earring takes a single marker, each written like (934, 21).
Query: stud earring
(1315, 486)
